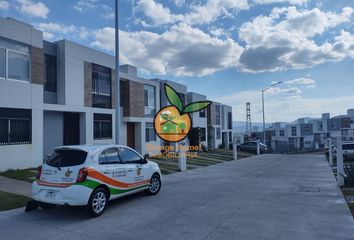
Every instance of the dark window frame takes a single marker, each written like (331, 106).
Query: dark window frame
(202, 133)
(147, 105)
(101, 119)
(99, 98)
(218, 133)
(50, 73)
(150, 135)
(217, 114)
(8, 118)
(202, 113)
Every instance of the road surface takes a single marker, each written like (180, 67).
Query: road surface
(266, 197)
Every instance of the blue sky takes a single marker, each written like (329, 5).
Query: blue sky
(226, 49)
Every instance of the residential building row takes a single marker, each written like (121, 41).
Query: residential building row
(308, 133)
(63, 93)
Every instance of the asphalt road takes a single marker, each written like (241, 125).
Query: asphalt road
(268, 197)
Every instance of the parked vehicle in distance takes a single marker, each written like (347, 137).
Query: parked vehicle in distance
(251, 146)
(348, 151)
(92, 175)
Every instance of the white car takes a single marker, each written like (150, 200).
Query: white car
(92, 175)
(348, 151)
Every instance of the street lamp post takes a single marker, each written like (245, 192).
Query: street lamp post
(264, 131)
(117, 85)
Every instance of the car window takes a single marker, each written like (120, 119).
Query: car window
(109, 156)
(254, 144)
(129, 156)
(66, 158)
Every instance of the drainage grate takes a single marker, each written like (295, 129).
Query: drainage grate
(308, 189)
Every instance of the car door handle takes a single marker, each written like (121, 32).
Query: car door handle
(130, 170)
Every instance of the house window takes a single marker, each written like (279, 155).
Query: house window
(282, 133)
(15, 126)
(202, 113)
(150, 135)
(217, 114)
(2, 62)
(230, 136)
(345, 132)
(293, 131)
(102, 126)
(202, 132)
(218, 133)
(229, 120)
(307, 129)
(50, 73)
(14, 61)
(101, 86)
(149, 101)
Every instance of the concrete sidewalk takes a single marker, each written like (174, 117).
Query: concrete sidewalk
(263, 197)
(15, 186)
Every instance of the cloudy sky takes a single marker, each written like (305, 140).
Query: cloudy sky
(226, 49)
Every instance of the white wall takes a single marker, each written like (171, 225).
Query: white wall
(21, 32)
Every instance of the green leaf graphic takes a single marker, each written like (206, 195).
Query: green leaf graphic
(196, 106)
(173, 97)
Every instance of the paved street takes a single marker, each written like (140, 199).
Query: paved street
(267, 197)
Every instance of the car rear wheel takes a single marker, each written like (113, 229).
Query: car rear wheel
(155, 185)
(98, 202)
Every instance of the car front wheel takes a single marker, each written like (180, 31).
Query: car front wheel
(98, 202)
(155, 185)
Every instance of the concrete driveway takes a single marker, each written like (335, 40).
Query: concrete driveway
(266, 197)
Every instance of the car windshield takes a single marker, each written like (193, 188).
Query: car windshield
(66, 158)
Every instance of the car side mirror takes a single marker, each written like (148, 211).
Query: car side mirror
(146, 158)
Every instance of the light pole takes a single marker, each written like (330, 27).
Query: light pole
(264, 131)
(117, 85)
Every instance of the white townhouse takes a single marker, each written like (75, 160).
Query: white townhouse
(62, 93)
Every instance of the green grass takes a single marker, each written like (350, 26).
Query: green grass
(169, 166)
(27, 175)
(348, 191)
(10, 201)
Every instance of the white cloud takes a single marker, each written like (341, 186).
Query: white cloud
(55, 31)
(307, 82)
(104, 10)
(299, 2)
(83, 5)
(198, 14)
(284, 39)
(107, 12)
(213, 9)
(179, 3)
(4, 5)
(31, 8)
(181, 51)
(277, 90)
(156, 12)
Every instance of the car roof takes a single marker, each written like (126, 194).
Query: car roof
(90, 148)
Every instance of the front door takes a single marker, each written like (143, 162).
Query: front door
(139, 173)
(71, 128)
(131, 135)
